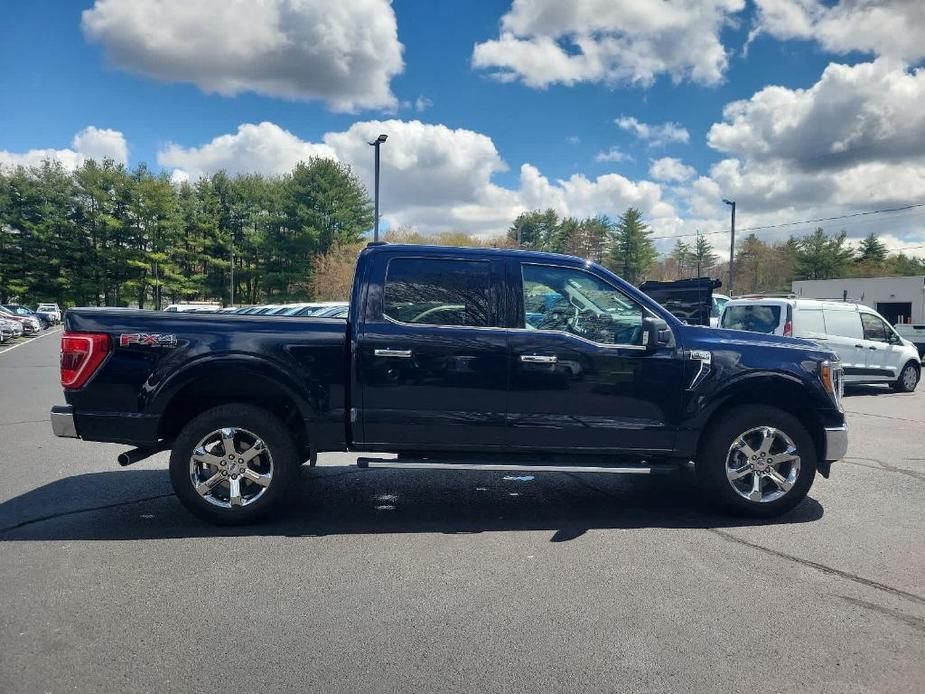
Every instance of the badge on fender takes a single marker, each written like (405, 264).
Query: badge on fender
(148, 339)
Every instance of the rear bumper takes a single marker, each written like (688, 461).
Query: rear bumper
(836, 443)
(62, 421)
(111, 427)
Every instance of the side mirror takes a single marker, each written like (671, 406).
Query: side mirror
(655, 333)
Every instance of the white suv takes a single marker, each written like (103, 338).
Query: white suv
(869, 349)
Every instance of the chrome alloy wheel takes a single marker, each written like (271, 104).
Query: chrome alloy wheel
(763, 464)
(231, 467)
(910, 377)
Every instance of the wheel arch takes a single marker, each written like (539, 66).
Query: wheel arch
(233, 380)
(775, 390)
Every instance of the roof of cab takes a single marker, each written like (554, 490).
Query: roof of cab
(421, 249)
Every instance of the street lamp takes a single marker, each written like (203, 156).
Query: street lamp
(375, 143)
(732, 244)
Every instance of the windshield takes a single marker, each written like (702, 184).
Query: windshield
(756, 318)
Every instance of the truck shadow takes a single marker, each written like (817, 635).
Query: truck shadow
(139, 505)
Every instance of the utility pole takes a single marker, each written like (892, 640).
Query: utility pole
(732, 245)
(231, 288)
(375, 143)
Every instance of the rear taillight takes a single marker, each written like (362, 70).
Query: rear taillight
(788, 329)
(81, 356)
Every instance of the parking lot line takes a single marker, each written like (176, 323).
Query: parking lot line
(12, 347)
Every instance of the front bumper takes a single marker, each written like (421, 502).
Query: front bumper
(836, 443)
(62, 421)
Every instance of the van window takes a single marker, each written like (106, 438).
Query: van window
(756, 318)
(843, 324)
(875, 328)
(438, 292)
(808, 323)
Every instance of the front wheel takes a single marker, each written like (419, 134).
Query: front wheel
(908, 379)
(757, 461)
(233, 464)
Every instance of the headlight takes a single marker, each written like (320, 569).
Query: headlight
(830, 373)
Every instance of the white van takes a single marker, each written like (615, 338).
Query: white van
(869, 349)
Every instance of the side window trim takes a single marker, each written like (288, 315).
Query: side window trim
(493, 280)
(522, 317)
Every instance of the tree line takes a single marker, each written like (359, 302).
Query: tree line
(105, 234)
(626, 246)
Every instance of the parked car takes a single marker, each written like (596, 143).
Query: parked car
(9, 329)
(12, 328)
(341, 310)
(31, 325)
(719, 302)
(870, 350)
(52, 310)
(201, 306)
(914, 333)
(438, 364)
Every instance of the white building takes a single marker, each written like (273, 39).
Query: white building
(898, 299)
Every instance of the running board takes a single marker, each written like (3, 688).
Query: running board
(411, 464)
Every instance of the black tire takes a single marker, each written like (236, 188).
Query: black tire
(901, 385)
(278, 443)
(711, 463)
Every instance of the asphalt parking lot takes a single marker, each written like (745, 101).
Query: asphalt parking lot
(383, 580)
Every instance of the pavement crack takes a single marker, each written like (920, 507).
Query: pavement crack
(820, 567)
(910, 620)
(62, 514)
(885, 416)
(880, 465)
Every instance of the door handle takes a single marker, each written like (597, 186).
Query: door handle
(874, 348)
(398, 353)
(538, 359)
(860, 346)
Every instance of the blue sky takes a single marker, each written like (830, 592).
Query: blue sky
(65, 72)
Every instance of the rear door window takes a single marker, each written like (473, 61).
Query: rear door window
(433, 291)
(843, 324)
(756, 318)
(808, 323)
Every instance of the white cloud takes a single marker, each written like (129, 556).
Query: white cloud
(573, 140)
(654, 135)
(853, 141)
(89, 143)
(894, 29)
(343, 53)
(671, 169)
(867, 112)
(422, 103)
(614, 154)
(544, 42)
(264, 148)
(433, 177)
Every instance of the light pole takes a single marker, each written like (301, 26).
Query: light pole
(375, 143)
(732, 244)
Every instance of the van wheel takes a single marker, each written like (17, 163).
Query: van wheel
(908, 379)
(757, 461)
(233, 464)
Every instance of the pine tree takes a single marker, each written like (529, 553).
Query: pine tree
(871, 249)
(704, 257)
(682, 255)
(820, 257)
(632, 252)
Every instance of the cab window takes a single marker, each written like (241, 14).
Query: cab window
(433, 291)
(874, 328)
(577, 302)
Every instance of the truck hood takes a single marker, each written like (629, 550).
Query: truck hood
(719, 337)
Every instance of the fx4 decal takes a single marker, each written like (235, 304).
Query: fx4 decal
(148, 339)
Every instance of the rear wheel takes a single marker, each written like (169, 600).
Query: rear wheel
(233, 464)
(757, 461)
(908, 379)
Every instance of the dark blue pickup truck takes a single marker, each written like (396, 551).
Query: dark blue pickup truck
(456, 359)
